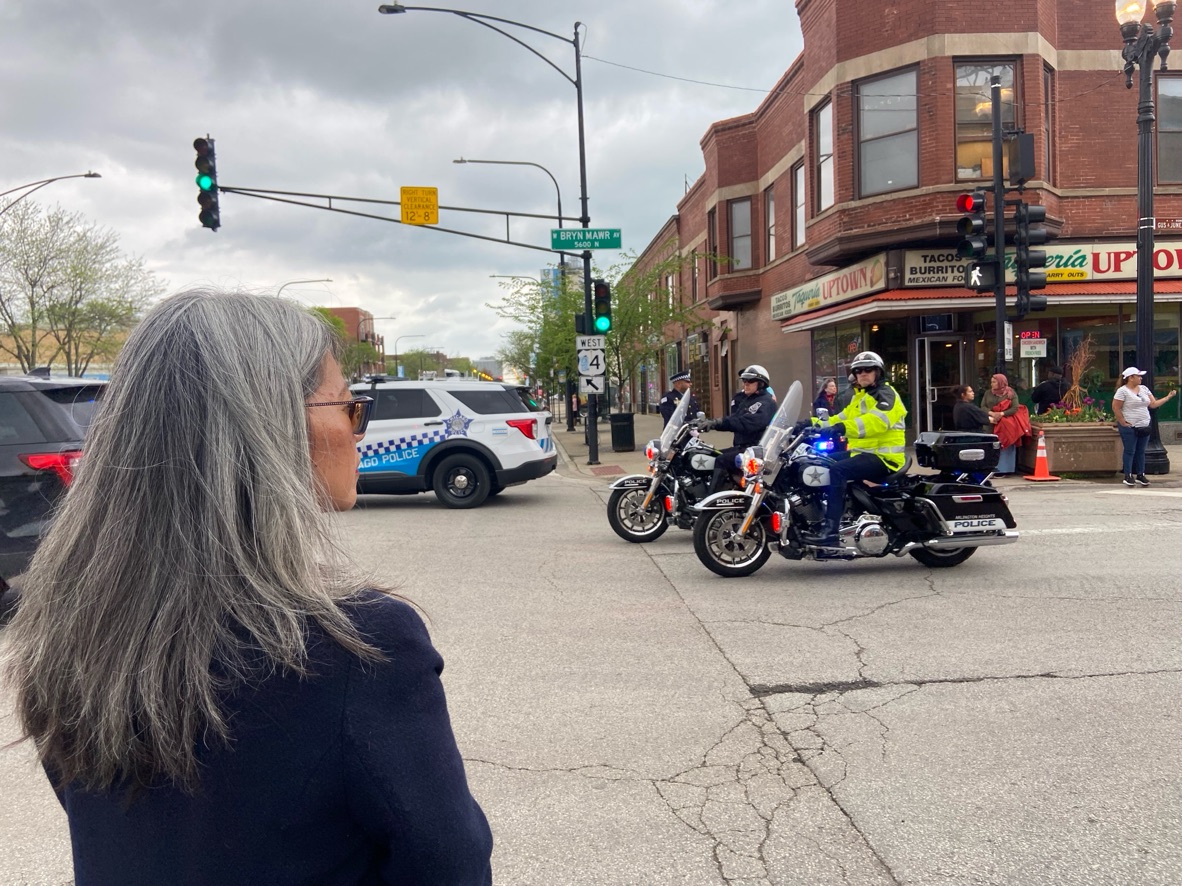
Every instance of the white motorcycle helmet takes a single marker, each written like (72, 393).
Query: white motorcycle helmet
(867, 360)
(755, 372)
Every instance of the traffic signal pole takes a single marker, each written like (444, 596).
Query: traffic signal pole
(999, 226)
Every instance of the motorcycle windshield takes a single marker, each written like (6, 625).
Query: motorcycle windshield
(675, 422)
(780, 428)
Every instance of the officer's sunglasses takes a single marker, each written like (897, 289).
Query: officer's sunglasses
(359, 410)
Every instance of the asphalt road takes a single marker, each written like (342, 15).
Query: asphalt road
(627, 717)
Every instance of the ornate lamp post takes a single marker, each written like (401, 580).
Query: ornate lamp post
(491, 22)
(1144, 43)
(37, 186)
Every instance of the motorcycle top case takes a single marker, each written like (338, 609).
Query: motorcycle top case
(957, 451)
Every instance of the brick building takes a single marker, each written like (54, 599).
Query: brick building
(359, 328)
(834, 203)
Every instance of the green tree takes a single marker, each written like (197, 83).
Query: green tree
(642, 308)
(66, 290)
(356, 354)
(544, 344)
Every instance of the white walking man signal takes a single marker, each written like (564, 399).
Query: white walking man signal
(975, 276)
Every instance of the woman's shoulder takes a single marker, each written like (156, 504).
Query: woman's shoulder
(385, 621)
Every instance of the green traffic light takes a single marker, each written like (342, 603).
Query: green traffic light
(204, 181)
(603, 324)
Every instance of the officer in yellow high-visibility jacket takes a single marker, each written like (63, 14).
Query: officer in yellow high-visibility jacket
(872, 423)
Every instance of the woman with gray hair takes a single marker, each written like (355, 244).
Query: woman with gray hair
(215, 694)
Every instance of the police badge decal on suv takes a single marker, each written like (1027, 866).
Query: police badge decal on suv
(462, 439)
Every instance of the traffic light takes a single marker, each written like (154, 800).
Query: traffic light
(981, 273)
(1030, 264)
(601, 307)
(971, 227)
(207, 183)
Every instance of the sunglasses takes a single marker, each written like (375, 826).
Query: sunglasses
(359, 410)
(863, 371)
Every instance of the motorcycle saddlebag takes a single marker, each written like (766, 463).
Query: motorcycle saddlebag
(957, 451)
(966, 507)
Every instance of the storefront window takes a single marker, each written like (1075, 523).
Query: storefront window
(1104, 376)
(825, 358)
(1165, 352)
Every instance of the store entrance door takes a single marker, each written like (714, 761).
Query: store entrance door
(940, 361)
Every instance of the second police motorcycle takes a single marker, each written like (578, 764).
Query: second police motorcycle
(680, 472)
(938, 519)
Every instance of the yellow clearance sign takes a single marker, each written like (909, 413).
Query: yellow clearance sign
(420, 206)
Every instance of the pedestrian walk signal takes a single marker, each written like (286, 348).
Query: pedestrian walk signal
(601, 307)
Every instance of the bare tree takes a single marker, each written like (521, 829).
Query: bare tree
(66, 291)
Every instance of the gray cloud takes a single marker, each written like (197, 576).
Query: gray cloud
(327, 96)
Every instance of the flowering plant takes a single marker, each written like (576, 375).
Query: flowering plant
(1087, 410)
(1076, 405)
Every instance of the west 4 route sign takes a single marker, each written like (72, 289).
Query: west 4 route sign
(591, 363)
(578, 239)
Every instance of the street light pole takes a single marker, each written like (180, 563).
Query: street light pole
(397, 340)
(293, 282)
(577, 82)
(37, 186)
(557, 190)
(373, 334)
(1142, 45)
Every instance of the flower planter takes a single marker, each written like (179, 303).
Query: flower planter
(1074, 447)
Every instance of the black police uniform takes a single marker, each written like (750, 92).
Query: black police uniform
(749, 417)
(669, 401)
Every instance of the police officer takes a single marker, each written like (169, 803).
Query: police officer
(872, 423)
(751, 412)
(680, 382)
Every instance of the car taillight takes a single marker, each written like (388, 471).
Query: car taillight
(527, 426)
(61, 463)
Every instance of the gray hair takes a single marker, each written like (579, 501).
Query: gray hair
(191, 538)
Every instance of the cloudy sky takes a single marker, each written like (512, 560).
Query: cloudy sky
(328, 96)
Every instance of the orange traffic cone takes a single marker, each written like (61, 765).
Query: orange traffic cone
(1041, 471)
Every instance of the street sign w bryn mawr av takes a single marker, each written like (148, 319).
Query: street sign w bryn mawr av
(577, 239)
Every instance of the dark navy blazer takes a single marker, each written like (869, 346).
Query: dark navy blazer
(350, 777)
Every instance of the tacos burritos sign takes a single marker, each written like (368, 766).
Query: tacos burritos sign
(863, 278)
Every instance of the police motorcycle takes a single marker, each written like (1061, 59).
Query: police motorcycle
(680, 470)
(937, 519)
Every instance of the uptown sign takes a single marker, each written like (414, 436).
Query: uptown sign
(1074, 263)
(863, 278)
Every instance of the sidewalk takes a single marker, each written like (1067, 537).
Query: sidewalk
(572, 450)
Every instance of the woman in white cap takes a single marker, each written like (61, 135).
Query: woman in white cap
(1131, 406)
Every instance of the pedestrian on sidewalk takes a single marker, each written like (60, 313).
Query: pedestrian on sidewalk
(1131, 405)
(1002, 404)
(216, 694)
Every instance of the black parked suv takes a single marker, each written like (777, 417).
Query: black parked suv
(42, 424)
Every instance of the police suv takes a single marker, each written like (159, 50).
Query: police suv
(463, 439)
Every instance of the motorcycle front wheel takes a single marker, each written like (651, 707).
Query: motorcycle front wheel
(632, 522)
(723, 550)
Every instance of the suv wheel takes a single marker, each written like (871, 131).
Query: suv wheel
(461, 481)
